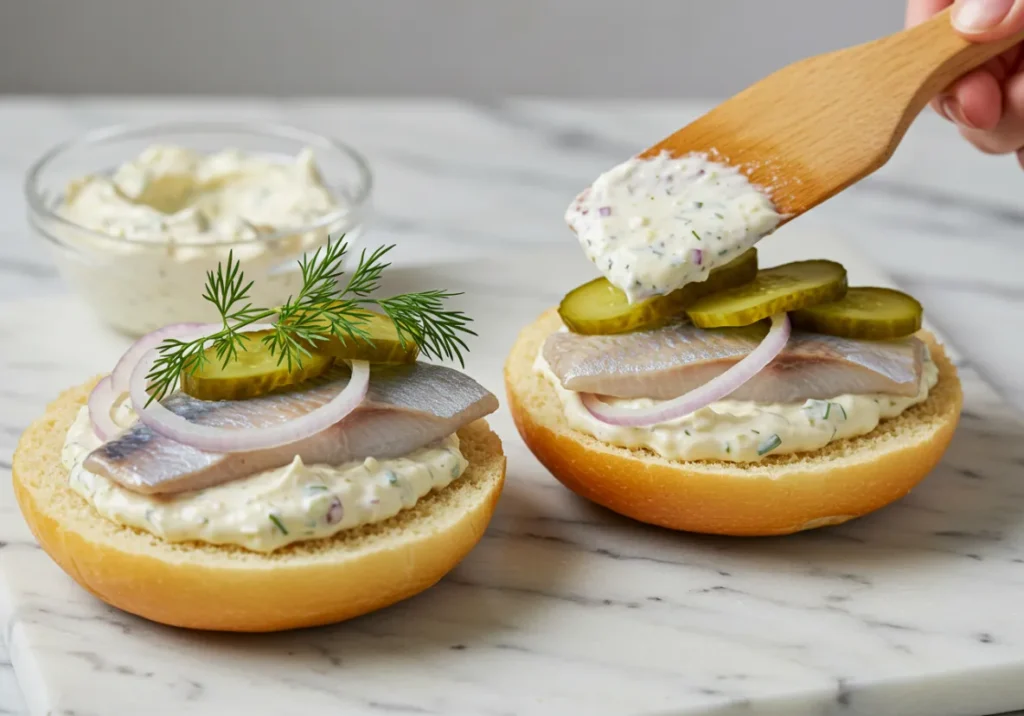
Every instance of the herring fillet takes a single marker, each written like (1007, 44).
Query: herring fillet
(668, 362)
(406, 408)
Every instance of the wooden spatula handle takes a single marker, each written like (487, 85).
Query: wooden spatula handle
(813, 128)
(939, 56)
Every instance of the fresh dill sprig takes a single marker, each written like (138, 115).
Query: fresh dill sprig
(323, 308)
(422, 318)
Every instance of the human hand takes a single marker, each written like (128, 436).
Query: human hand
(987, 105)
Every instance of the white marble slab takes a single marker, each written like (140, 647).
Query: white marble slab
(564, 608)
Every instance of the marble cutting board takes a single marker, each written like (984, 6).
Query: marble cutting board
(564, 608)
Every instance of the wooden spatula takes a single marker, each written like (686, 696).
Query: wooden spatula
(817, 126)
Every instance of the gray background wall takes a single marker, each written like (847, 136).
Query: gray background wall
(642, 48)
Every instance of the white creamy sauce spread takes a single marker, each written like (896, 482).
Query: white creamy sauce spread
(177, 213)
(743, 431)
(271, 509)
(170, 194)
(653, 225)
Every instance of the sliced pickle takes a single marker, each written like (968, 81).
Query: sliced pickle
(598, 307)
(780, 289)
(384, 345)
(864, 312)
(253, 373)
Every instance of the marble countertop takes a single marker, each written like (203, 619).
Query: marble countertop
(945, 222)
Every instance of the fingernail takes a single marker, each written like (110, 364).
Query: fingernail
(951, 110)
(946, 108)
(980, 15)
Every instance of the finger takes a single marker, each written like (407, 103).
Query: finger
(920, 10)
(1008, 136)
(1004, 65)
(985, 114)
(976, 101)
(987, 20)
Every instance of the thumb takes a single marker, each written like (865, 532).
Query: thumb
(987, 20)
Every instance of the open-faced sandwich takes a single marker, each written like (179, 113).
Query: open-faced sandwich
(287, 467)
(690, 388)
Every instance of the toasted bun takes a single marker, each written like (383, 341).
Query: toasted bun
(780, 495)
(202, 586)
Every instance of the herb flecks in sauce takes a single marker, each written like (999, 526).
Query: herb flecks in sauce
(676, 205)
(277, 523)
(271, 509)
(769, 444)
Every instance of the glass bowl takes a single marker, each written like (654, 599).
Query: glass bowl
(137, 285)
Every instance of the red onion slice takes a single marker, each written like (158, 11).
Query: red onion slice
(101, 403)
(120, 377)
(715, 389)
(112, 388)
(224, 440)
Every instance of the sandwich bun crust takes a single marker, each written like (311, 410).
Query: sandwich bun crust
(227, 588)
(780, 495)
